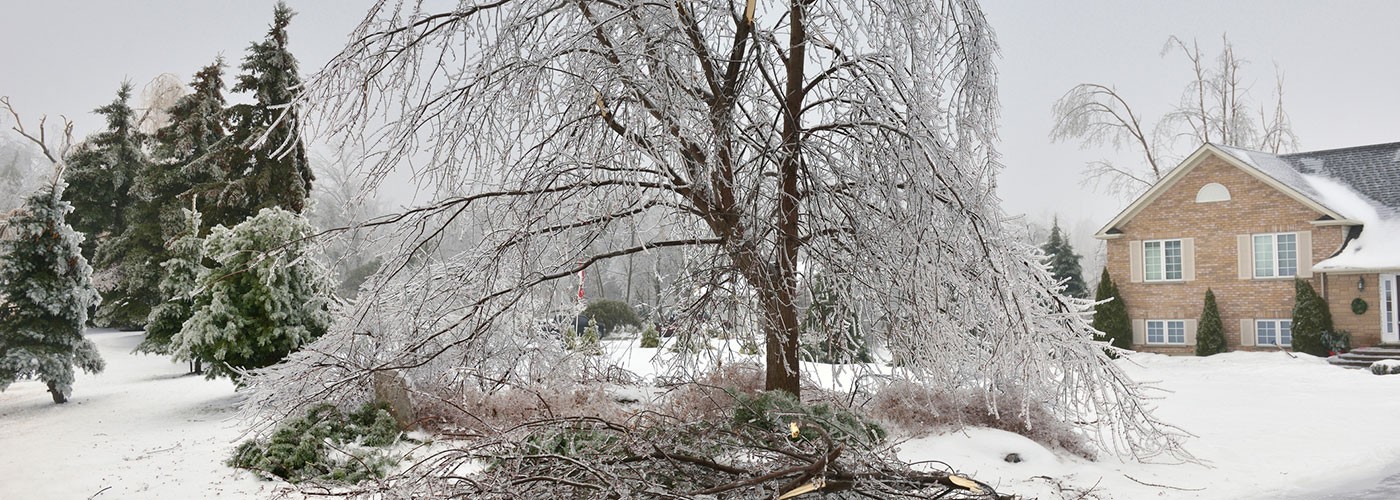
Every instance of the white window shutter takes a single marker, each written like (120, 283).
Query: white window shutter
(1247, 332)
(1246, 256)
(1188, 260)
(1139, 332)
(1305, 262)
(1190, 331)
(1135, 261)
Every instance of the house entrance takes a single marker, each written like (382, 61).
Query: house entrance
(1390, 308)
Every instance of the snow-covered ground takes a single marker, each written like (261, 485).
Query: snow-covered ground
(1269, 426)
(141, 429)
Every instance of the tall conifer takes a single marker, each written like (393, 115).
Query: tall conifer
(265, 162)
(1210, 333)
(1064, 263)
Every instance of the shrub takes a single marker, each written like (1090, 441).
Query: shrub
(611, 315)
(300, 449)
(1111, 317)
(1210, 334)
(1386, 367)
(586, 342)
(1311, 320)
(650, 339)
(1336, 342)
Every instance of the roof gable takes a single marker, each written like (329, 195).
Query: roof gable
(1267, 168)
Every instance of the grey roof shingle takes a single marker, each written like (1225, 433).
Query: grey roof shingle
(1372, 171)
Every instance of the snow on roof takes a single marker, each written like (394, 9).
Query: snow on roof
(1361, 183)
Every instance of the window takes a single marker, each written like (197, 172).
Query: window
(1161, 260)
(1166, 332)
(1273, 332)
(1275, 255)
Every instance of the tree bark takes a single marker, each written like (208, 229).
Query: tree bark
(780, 311)
(58, 397)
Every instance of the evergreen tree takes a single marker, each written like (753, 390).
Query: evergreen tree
(830, 333)
(1111, 317)
(189, 150)
(263, 299)
(1210, 333)
(1311, 320)
(184, 270)
(265, 163)
(1064, 263)
(47, 290)
(102, 174)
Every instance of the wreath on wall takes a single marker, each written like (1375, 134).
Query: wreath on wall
(1359, 306)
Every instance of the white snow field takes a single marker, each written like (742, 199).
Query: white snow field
(141, 429)
(1269, 426)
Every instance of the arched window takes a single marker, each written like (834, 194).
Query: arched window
(1212, 192)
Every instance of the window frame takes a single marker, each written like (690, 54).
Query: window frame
(1274, 261)
(1162, 267)
(1277, 326)
(1166, 331)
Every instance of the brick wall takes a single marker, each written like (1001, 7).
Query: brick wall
(1254, 207)
(1340, 291)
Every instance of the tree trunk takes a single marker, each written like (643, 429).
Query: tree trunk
(58, 397)
(779, 309)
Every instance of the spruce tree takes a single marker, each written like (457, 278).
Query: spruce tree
(1111, 317)
(103, 174)
(189, 150)
(47, 290)
(265, 162)
(1210, 333)
(1064, 263)
(184, 270)
(263, 299)
(1311, 320)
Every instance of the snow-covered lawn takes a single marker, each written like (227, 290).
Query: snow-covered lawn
(141, 429)
(1270, 426)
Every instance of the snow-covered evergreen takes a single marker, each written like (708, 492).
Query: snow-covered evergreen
(184, 271)
(45, 292)
(265, 297)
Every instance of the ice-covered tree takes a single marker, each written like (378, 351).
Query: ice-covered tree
(763, 138)
(1214, 107)
(263, 159)
(1064, 263)
(102, 174)
(1111, 315)
(183, 272)
(187, 150)
(47, 290)
(1210, 333)
(264, 297)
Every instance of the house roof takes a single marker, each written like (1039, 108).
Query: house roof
(1352, 186)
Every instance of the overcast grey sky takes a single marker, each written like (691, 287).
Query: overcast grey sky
(1339, 59)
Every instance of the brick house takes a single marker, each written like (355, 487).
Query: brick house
(1245, 224)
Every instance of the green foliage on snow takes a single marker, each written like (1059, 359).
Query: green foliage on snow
(45, 293)
(776, 410)
(324, 445)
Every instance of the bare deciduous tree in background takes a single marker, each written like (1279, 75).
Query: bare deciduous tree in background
(767, 141)
(1214, 108)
